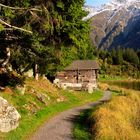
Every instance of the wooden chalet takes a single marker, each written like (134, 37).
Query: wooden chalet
(81, 75)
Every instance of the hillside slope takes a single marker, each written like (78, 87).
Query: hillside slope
(41, 101)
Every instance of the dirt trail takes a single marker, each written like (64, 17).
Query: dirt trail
(60, 127)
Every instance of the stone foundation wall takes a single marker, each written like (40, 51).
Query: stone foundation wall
(77, 86)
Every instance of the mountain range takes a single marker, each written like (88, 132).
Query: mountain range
(115, 24)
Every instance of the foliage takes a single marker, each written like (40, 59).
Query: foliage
(131, 56)
(46, 33)
(119, 62)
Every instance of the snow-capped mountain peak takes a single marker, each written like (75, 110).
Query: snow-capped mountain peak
(116, 23)
(114, 5)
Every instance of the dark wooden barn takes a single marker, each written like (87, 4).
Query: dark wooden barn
(80, 75)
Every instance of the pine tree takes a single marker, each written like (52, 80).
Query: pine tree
(131, 56)
(119, 57)
(35, 32)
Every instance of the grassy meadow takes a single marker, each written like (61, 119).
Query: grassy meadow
(34, 112)
(119, 118)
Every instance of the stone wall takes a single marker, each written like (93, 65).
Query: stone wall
(88, 86)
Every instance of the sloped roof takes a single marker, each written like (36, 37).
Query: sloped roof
(83, 64)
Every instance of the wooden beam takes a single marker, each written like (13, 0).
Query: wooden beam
(77, 75)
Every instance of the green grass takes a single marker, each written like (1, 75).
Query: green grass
(111, 78)
(30, 122)
(81, 127)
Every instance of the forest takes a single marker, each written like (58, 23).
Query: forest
(121, 61)
(41, 35)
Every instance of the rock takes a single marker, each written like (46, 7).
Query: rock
(29, 73)
(31, 107)
(9, 117)
(44, 77)
(2, 88)
(21, 89)
(42, 98)
(91, 87)
(61, 99)
(32, 90)
(48, 97)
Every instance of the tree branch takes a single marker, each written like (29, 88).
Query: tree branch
(18, 8)
(14, 27)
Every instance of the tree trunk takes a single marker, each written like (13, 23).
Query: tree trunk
(36, 72)
(3, 70)
(4, 62)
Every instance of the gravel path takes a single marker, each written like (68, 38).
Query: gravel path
(60, 127)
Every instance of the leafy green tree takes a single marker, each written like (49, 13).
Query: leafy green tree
(109, 60)
(103, 54)
(36, 31)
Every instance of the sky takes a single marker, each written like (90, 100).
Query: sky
(96, 2)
